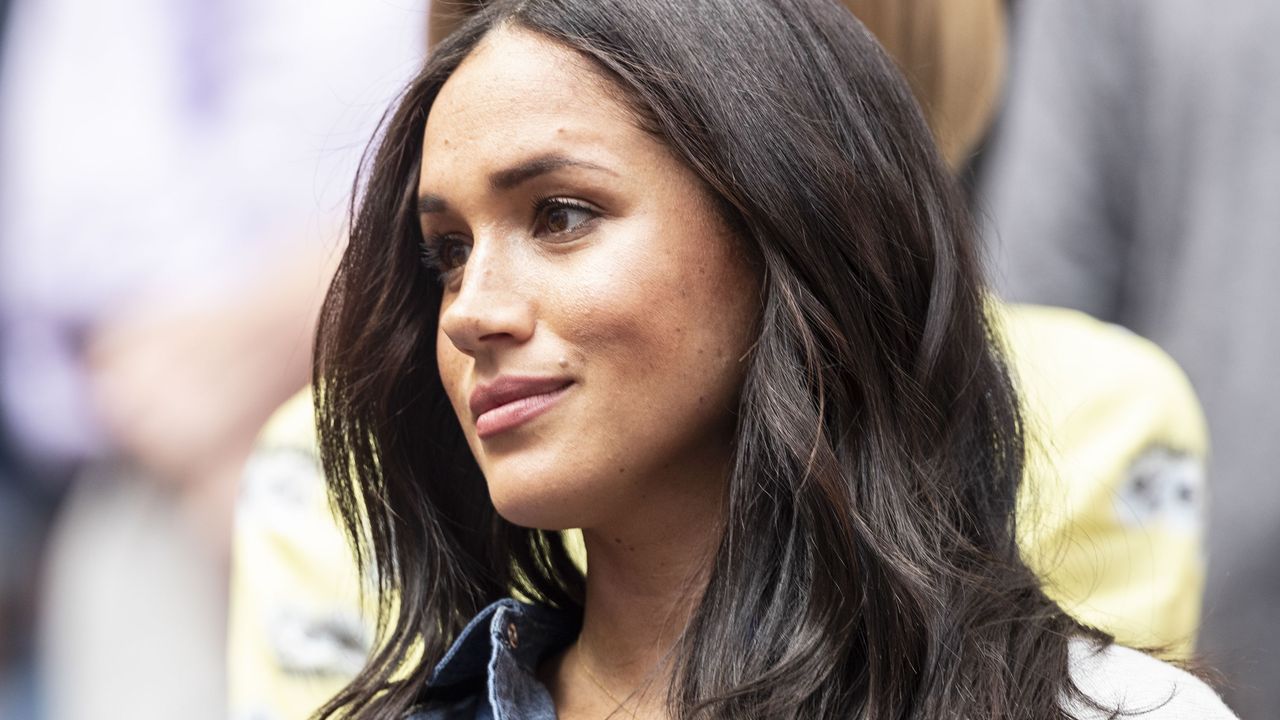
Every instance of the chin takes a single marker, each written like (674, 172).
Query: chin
(539, 511)
(535, 482)
(541, 500)
(551, 504)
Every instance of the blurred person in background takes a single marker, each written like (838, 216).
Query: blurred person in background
(1135, 177)
(173, 174)
(26, 505)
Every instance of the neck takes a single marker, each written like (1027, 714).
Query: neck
(646, 575)
(639, 598)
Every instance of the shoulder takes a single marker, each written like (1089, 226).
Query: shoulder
(1138, 685)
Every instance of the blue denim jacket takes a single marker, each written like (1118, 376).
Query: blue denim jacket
(490, 673)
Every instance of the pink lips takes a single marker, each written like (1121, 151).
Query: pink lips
(509, 402)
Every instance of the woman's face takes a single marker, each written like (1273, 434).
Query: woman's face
(596, 310)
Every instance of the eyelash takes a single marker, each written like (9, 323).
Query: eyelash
(434, 247)
(431, 254)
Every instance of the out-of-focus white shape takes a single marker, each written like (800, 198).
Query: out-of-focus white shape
(155, 151)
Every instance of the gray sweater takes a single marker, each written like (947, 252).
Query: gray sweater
(1136, 176)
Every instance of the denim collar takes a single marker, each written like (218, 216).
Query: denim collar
(491, 671)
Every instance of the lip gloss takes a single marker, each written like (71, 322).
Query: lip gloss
(516, 413)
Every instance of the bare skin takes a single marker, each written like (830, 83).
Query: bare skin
(576, 249)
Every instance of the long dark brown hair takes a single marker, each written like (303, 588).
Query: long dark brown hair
(868, 566)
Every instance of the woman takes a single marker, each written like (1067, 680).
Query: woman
(687, 292)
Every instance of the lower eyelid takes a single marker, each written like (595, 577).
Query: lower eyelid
(568, 236)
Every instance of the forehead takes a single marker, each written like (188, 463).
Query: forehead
(519, 93)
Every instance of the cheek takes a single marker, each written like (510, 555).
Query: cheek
(668, 326)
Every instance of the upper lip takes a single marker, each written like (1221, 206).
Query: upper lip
(507, 389)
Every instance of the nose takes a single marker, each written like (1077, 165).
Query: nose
(492, 307)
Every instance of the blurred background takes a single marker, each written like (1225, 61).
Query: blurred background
(1133, 174)
(173, 185)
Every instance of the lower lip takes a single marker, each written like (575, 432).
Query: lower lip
(514, 414)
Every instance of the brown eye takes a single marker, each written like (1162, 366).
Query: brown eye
(557, 217)
(454, 255)
(445, 254)
(558, 220)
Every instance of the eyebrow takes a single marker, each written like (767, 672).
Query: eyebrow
(514, 176)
